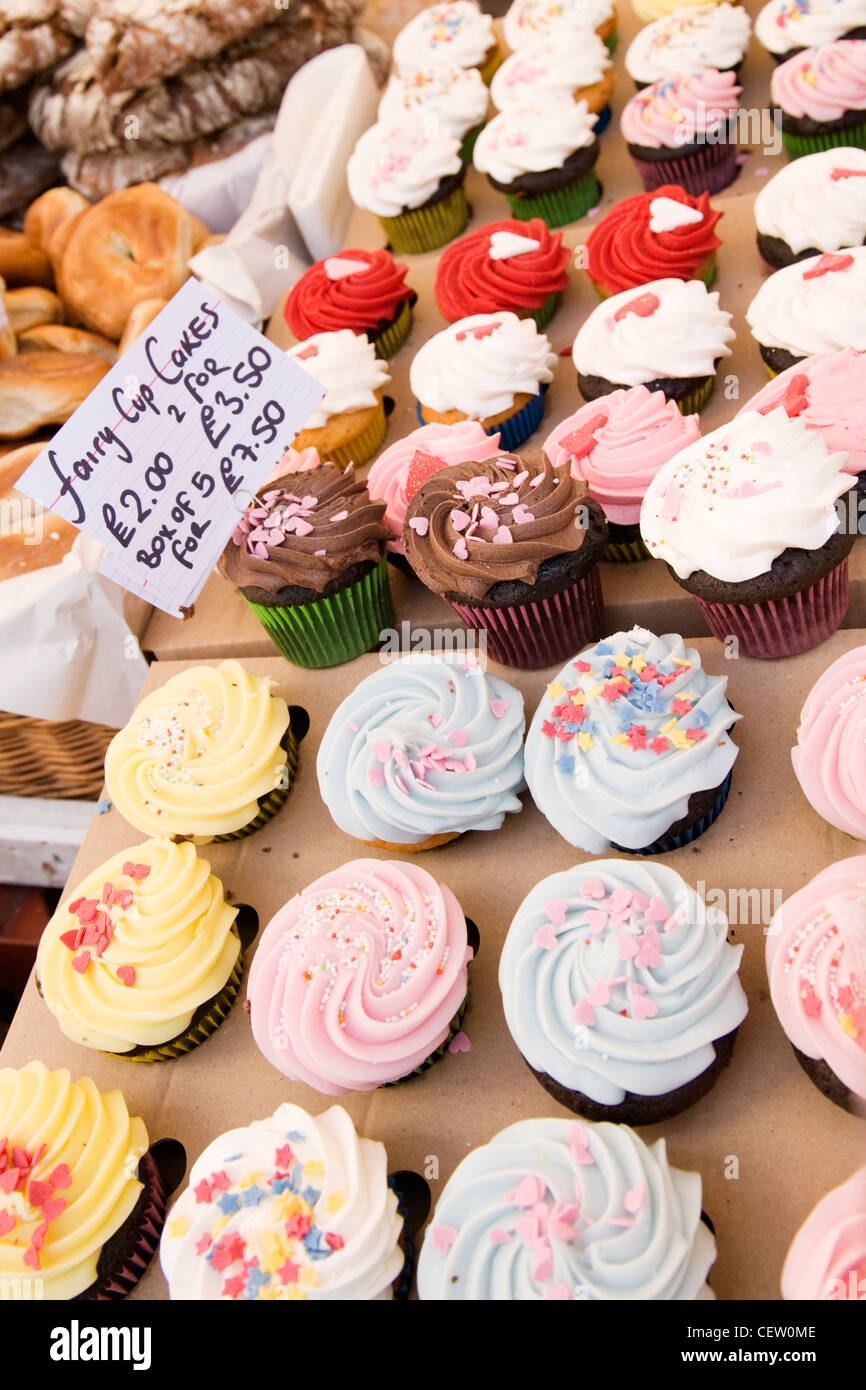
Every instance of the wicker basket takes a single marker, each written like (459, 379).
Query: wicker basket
(40, 757)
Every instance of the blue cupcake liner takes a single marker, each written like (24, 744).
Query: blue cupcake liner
(602, 120)
(516, 429)
(665, 843)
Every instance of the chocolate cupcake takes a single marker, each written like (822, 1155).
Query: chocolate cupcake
(821, 94)
(541, 156)
(815, 305)
(816, 204)
(784, 27)
(678, 130)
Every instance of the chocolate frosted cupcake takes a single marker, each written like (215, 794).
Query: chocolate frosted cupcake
(541, 154)
(309, 559)
(678, 131)
(816, 204)
(784, 27)
(821, 94)
(514, 547)
(815, 305)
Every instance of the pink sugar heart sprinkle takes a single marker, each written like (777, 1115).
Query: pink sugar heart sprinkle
(657, 911)
(593, 888)
(419, 524)
(559, 1293)
(545, 937)
(377, 776)
(498, 708)
(633, 1199)
(460, 1043)
(500, 1237)
(443, 1238)
(381, 750)
(596, 920)
(584, 1013)
(459, 737)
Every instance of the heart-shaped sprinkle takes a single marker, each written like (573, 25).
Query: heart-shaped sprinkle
(578, 1142)
(436, 718)
(459, 520)
(443, 1238)
(7, 1221)
(593, 888)
(126, 975)
(500, 1237)
(657, 910)
(619, 900)
(596, 920)
(528, 1228)
(559, 1293)
(81, 962)
(626, 946)
(338, 267)
(642, 1008)
(633, 1199)
(545, 937)
(643, 306)
(377, 776)
(556, 910)
(419, 524)
(584, 1013)
(499, 708)
(460, 1043)
(542, 1262)
(503, 245)
(599, 994)
(666, 214)
(459, 737)
(527, 1192)
(381, 750)
(460, 549)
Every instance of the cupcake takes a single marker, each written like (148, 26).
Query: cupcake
(514, 548)
(579, 68)
(403, 467)
(408, 171)
(816, 204)
(629, 749)
(527, 21)
(648, 10)
(209, 755)
(393, 944)
(813, 306)
(309, 558)
(689, 40)
(145, 960)
(493, 368)
(518, 267)
(541, 156)
(621, 991)
(668, 335)
(746, 519)
(363, 291)
(458, 34)
(784, 27)
(816, 963)
(821, 94)
(423, 750)
(348, 425)
(558, 1210)
(616, 445)
(828, 760)
(81, 1198)
(679, 130)
(827, 1258)
(454, 97)
(667, 234)
(293, 1207)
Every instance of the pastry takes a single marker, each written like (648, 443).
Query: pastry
(22, 262)
(32, 538)
(45, 388)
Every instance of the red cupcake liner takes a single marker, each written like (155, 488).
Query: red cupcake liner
(549, 630)
(710, 169)
(783, 627)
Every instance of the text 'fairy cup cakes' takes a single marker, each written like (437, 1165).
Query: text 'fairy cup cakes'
(145, 960)
(81, 1198)
(455, 97)
(292, 1207)
(688, 41)
(784, 27)
(616, 445)
(577, 67)
(518, 267)
(668, 335)
(827, 1257)
(667, 234)
(621, 991)
(309, 558)
(493, 368)
(541, 156)
(364, 291)
(527, 21)
(828, 760)
(816, 204)
(360, 980)
(423, 750)
(349, 423)
(558, 1210)
(209, 755)
(408, 171)
(815, 305)
(747, 522)
(514, 548)
(816, 963)
(454, 34)
(678, 131)
(821, 94)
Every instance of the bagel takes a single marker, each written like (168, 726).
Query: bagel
(143, 314)
(44, 388)
(49, 211)
(57, 337)
(22, 261)
(133, 245)
(29, 307)
(59, 236)
(30, 538)
(8, 345)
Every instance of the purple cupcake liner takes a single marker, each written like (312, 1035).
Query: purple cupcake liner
(665, 843)
(543, 632)
(119, 1282)
(516, 429)
(783, 627)
(709, 170)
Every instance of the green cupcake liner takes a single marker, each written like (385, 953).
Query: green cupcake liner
(545, 311)
(426, 228)
(560, 205)
(467, 144)
(611, 41)
(205, 1021)
(453, 1030)
(393, 337)
(270, 804)
(626, 552)
(335, 629)
(698, 398)
(708, 277)
(363, 446)
(798, 145)
(488, 69)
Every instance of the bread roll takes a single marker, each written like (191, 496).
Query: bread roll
(22, 261)
(143, 314)
(29, 307)
(44, 388)
(58, 337)
(30, 538)
(49, 210)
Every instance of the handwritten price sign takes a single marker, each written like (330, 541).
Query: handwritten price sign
(171, 445)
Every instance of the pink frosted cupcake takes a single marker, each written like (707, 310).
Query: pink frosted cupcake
(827, 1258)
(679, 131)
(829, 759)
(822, 97)
(616, 445)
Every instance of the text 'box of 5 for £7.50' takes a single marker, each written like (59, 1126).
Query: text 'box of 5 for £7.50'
(172, 444)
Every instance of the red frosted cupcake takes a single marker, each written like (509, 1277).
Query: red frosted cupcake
(361, 290)
(663, 235)
(508, 265)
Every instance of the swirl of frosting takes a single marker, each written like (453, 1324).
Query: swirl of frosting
(455, 96)
(428, 745)
(785, 25)
(829, 759)
(817, 203)
(653, 236)
(648, 10)
(198, 752)
(815, 305)
(292, 1207)
(443, 445)
(502, 265)
(556, 1209)
(624, 736)
(346, 365)
(617, 979)
(526, 21)
(146, 939)
(675, 111)
(828, 394)
(355, 290)
(68, 1159)
(456, 34)
(399, 164)
(305, 534)
(665, 328)
(689, 41)
(816, 963)
(392, 943)
(295, 461)
(480, 364)
(550, 65)
(533, 137)
(618, 443)
(733, 501)
(822, 83)
(472, 525)
(827, 1258)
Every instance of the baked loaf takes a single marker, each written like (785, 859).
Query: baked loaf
(44, 388)
(22, 549)
(27, 50)
(22, 260)
(49, 211)
(59, 337)
(31, 306)
(142, 315)
(26, 170)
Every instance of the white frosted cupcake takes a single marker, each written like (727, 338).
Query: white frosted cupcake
(454, 34)
(348, 425)
(580, 69)
(817, 203)
(815, 305)
(689, 40)
(454, 97)
(528, 20)
(541, 155)
(408, 171)
(786, 26)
